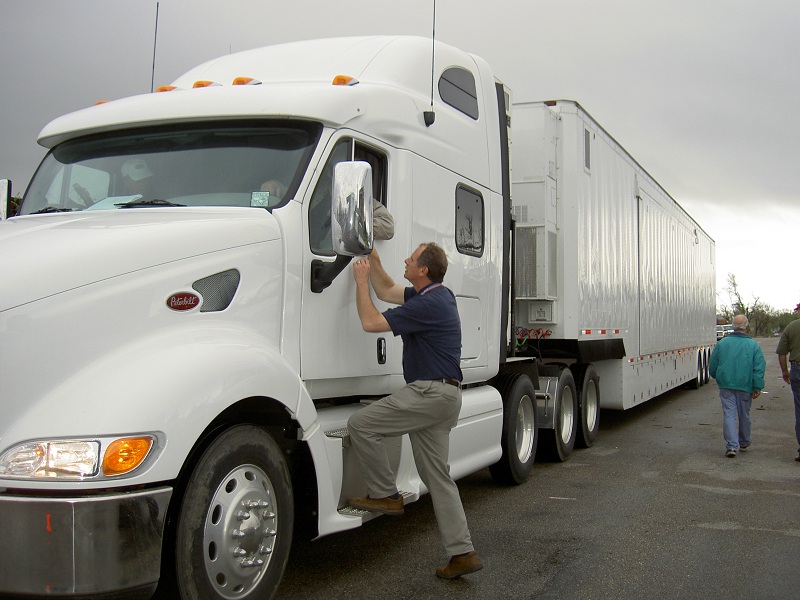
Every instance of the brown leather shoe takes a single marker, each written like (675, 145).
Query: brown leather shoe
(459, 565)
(387, 506)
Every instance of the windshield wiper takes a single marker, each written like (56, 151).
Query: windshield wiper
(50, 209)
(137, 203)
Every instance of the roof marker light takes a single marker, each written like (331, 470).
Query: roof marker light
(344, 80)
(202, 84)
(246, 81)
(165, 88)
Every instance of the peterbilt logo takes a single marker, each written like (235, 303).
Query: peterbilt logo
(183, 301)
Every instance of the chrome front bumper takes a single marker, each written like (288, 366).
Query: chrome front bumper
(83, 545)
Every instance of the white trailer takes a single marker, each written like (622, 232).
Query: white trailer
(180, 356)
(608, 265)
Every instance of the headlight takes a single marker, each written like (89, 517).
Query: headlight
(75, 459)
(66, 459)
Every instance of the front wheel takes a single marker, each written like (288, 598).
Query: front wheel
(234, 528)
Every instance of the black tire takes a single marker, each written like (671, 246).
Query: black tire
(235, 523)
(706, 374)
(520, 436)
(588, 384)
(557, 444)
(695, 383)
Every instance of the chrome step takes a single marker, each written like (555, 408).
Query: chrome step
(351, 511)
(340, 433)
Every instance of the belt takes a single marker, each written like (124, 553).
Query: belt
(453, 382)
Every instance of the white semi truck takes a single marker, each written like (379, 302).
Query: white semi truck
(180, 349)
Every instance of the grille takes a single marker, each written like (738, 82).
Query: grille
(217, 290)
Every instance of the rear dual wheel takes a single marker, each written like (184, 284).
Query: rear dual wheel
(556, 444)
(699, 376)
(588, 386)
(519, 436)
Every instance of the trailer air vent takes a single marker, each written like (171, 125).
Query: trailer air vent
(525, 272)
(217, 290)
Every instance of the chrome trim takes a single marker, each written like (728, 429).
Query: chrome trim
(81, 545)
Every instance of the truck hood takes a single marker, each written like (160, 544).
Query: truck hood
(49, 254)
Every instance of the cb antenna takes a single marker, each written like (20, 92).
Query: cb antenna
(429, 115)
(155, 41)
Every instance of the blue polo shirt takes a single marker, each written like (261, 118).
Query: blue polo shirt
(429, 325)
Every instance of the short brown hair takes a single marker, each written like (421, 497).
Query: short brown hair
(435, 259)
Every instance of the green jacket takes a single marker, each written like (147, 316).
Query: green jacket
(737, 363)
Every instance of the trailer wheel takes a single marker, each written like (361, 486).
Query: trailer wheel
(698, 376)
(235, 524)
(519, 435)
(706, 374)
(557, 443)
(588, 382)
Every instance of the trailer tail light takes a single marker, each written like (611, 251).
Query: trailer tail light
(125, 454)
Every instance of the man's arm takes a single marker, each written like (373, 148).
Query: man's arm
(382, 221)
(784, 367)
(712, 363)
(372, 321)
(759, 367)
(385, 288)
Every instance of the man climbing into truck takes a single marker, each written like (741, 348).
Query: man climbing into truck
(427, 408)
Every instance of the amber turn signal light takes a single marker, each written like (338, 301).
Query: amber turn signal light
(125, 454)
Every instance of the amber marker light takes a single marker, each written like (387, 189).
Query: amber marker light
(165, 88)
(203, 84)
(125, 454)
(246, 81)
(344, 80)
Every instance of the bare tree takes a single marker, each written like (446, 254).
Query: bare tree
(760, 315)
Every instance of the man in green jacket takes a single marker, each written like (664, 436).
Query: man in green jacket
(737, 363)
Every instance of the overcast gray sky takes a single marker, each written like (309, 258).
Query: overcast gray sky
(703, 93)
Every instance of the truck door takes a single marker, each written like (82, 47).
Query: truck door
(334, 348)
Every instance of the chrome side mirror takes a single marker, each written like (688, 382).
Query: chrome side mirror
(351, 209)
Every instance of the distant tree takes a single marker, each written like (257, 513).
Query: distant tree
(781, 320)
(764, 320)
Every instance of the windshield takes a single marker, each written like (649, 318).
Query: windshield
(219, 165)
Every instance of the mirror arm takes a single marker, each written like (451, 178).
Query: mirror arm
(5, 198)
(323, 273)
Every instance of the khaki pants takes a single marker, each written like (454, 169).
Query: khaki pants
(426, 411)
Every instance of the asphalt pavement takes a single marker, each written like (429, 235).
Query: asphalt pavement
(653, 510)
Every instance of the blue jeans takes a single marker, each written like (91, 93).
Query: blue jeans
(736, 406)
(794, 380)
